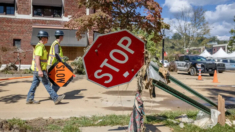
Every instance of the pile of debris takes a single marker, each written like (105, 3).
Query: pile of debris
(5, 126)
(203, 120)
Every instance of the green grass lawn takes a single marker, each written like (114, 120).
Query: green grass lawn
(72, 124)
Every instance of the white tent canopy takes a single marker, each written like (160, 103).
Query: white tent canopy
(220, 54)
(232, 55)
(205, 53)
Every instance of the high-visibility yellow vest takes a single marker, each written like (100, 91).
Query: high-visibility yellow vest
(52, 59)
(43, 58)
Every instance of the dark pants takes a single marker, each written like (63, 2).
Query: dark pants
(56, 88)
(47, 84)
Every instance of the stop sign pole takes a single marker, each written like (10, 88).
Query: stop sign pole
(114, 58)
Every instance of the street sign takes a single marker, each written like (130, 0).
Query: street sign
(114, 58)
(60, 74)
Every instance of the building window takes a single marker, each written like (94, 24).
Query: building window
(17, 43)
(7, 9)
(1, 9)
(47, 11)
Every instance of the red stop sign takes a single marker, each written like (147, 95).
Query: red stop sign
(114, 58)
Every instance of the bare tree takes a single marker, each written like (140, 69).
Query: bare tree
(191, 25)
(231, 47)
(11, 51)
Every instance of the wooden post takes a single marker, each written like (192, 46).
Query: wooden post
(221, 108)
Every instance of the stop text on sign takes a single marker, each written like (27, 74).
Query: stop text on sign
(105, 63)
(114, 58)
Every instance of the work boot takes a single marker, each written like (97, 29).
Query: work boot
(59, 99)
(51, 98)
(32, 101)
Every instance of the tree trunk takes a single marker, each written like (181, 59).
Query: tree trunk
(0, 61)
(19, 65)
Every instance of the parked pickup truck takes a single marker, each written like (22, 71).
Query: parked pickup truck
(188, 64)
(229, 63)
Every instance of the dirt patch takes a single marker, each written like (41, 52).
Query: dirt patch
(78, 77)
(145, 93)
(122, 93)
(12, 98)
(39, 122)
(94, 97)
(221, 86)
(196, 79)
(169, 103)
(3, 90)
(115, 108)
(175, 104)
(150, 111)
(172, 103)
(35, 125)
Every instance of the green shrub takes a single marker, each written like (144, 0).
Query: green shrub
(65, 59)
(27, 71)
(8, 72)
(78, 66)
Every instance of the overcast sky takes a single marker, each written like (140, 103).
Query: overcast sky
(219, 13)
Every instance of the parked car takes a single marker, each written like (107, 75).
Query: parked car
(229, 63)
(166, 63)
(221, 67)
(188, 63)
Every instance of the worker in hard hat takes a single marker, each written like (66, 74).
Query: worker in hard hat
(56, 53)
(39, 67)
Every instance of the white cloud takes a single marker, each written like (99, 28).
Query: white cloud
(220, 20)
(222, 13)
(205, 2)
(172, 30)
(223, 37)
(176, 6)
(221, 30)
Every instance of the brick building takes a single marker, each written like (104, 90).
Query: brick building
(217, 47)
(197, 50)
(20, 20)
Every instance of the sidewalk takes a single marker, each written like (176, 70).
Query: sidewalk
(149, 128)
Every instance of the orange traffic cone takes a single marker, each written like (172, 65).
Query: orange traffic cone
(199, 75)
(215, 79)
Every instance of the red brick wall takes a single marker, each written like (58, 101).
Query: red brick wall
(24, 7)
(20, 29)
(70, 8)
(215, 49)
(12, 28)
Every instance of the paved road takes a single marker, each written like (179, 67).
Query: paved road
(84, 98)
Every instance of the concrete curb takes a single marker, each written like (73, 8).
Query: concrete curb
(15, 75)
(22, 75)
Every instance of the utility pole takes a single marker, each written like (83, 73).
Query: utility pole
(163, 46)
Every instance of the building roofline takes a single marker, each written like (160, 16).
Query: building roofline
(50, 26)
(220, 45)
